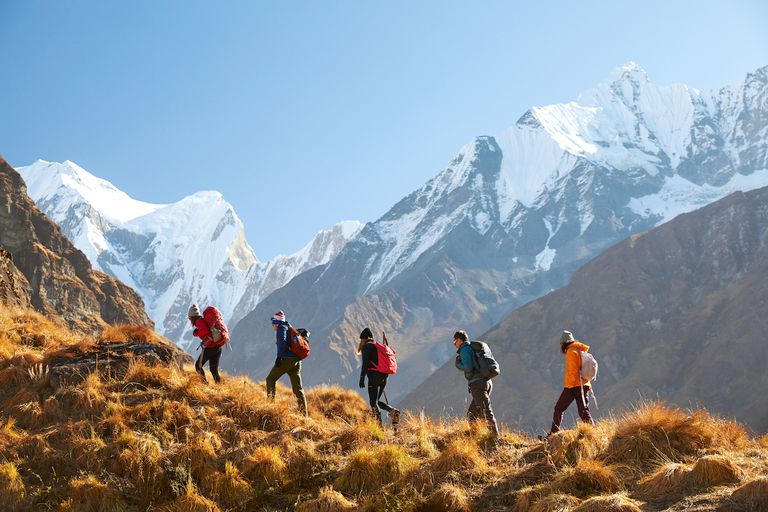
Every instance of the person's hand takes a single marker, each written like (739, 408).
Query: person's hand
(362, 382)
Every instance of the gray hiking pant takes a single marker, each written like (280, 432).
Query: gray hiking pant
(480, 408)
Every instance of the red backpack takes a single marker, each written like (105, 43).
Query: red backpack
(219, 331)
(297, 343)
(387, 362)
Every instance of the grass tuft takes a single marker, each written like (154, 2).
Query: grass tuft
(327, 500)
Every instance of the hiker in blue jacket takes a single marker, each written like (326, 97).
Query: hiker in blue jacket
(286, 362)
(479, 387)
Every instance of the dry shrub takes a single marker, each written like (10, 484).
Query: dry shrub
(752, 495)
(368, 470)
(139, 372)
(89, 494)
(446, 498)
(712, 470)
(12, 489)
(663, 483)
(587, 478)
(656, 432)
(265, 463)
(555, 503)
(200, 456)
(359, 434)
(526, 497)
(613, 503)
(191, 501)
(762, 441)
(30, 328)
(143, 465)
(88, 451)
(568, 447)
(230, 487)
(304, 461)
(253, 411)
(461, 455)
(13, 376)
(84, 400)
(418, 431)
(338, 403)
(135, 333)
(327, 500)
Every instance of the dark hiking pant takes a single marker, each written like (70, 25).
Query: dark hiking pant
(480, 408)
(292, 367)
(566, 397)
(210, 356)
(377, 381)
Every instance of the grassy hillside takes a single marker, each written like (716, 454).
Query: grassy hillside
(154, 437)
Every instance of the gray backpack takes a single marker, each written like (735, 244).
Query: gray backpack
(486, 364)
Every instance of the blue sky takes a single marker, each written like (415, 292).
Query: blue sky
(304, 114)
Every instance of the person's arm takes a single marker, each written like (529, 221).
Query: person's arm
(464, 362)
(282, 337)
(366, 353)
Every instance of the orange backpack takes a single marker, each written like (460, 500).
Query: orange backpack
(297, 343)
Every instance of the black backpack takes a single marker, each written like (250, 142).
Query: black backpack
(486, 364)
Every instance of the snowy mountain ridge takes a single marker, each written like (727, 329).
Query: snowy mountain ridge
(193, 250)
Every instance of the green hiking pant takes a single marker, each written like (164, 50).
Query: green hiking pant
(292, 367)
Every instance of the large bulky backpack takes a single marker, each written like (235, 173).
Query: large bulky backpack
(219, 331)
(588, 368)
(486, 364)
(298, 344)
(387, 361)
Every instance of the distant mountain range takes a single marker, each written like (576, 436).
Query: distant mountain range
(175, 254)
(514, 215)
(678, 312)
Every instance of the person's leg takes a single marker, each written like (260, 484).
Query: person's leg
(380, 391)
(566, 397)
(201, 360)
(488, 410)
(583, 407)
(213, 363)
(476, 409)
(275, 373)
(294, 373)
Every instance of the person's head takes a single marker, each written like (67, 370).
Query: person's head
(277, 319)
(366, 335)
(459, 337)
(566, 338)
(194, 313)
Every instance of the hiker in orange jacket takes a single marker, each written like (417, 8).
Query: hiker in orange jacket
(572, 383)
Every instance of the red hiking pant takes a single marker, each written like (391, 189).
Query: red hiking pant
(566, 397)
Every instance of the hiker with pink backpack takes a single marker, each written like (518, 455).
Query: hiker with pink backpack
(580, 370)
(209, 326)
(379, 363)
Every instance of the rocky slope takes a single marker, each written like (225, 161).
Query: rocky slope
(14, 287)
(676, 313)
(514, 215)
(193, 250)
(59, 277)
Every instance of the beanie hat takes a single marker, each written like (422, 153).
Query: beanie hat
(366, 334)
(566, 337)
(194, 311)
(278, 317)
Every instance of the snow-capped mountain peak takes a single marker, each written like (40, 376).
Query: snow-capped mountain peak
(193, 250)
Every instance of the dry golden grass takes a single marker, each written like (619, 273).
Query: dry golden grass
(555, 503)
(752, 495)
(12, 489)
(613, 503)
(447, 497)
(327, 500)
(366, 469)
(157, 438)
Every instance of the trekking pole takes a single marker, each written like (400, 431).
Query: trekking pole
(384, 337)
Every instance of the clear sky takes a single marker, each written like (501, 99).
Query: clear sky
(304, 114)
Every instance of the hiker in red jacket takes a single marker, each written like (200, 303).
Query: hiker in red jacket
(377, 380)
(572, 383)
(210, 354)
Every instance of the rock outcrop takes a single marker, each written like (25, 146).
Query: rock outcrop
(14, 288)
(60, 278)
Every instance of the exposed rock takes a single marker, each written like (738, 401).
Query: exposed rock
(14, 288)
(60, 277)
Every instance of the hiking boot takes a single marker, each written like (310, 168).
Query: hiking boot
(395, 416)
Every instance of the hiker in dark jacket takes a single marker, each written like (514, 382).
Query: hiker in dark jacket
(210, 355)
(286, 362)
(479, 387)
(377, 381)
(572, 383)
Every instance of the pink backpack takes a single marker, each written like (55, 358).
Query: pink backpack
(387, 361)
(219, 331)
